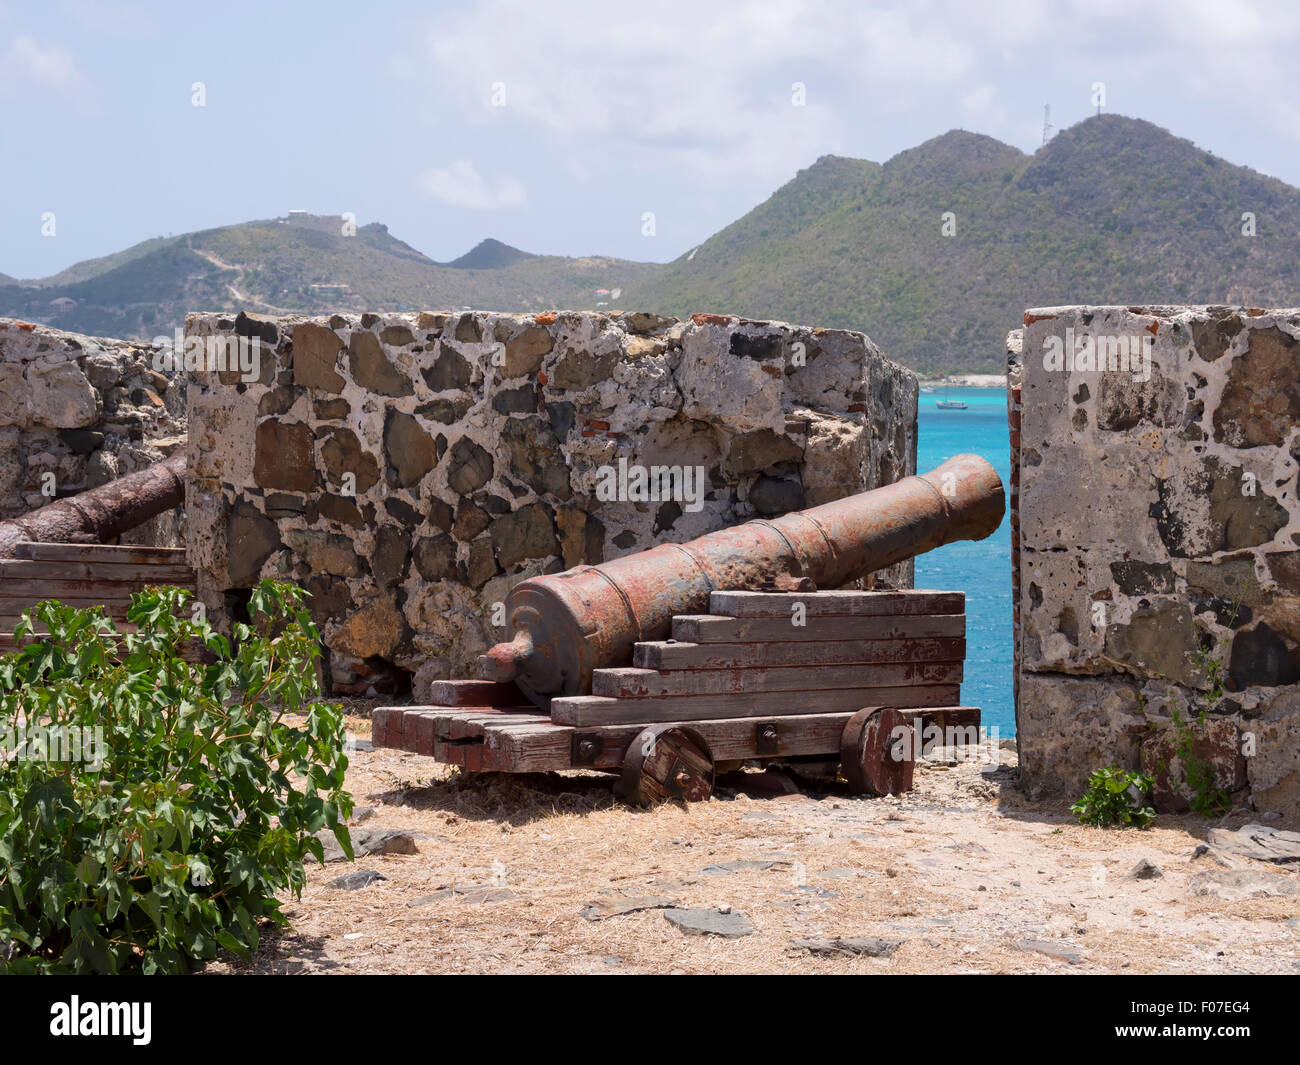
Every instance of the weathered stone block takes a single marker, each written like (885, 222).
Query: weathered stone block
(371, 368)
(59, 395)
(254, 537)
(1261, 397)
(526, 350)
(285, 458)
(373, 631)
(1212, 748)
(525, 533)
(409, 449)
(469, 467)
(316, 350)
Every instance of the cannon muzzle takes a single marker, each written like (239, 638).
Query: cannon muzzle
(564, 625)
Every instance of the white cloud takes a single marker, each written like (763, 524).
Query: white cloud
(461, 185)
(705, 95)
(709, 88)
(688, 110)
(52, 67)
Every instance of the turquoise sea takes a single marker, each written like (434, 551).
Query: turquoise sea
(982, 570)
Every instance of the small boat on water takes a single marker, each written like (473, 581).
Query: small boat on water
(949, 404)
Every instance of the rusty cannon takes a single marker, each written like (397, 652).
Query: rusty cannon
(565, 625)
(98, 515)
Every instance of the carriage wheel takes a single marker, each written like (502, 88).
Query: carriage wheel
(877, 751)
(666, 762)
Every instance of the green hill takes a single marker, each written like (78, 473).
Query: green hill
(489, 255)
(1112, 210)
(302, 263)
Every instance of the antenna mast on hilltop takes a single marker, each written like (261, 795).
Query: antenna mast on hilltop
(1047, 122)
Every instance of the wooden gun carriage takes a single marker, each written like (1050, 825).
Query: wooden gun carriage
(615, 667)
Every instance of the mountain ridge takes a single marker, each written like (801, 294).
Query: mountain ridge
(934, 253)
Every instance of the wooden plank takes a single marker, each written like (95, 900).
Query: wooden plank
(70, 595)
(476, 693)
(709, 628)
(420, 727)
(41, 552)
(545, 747)
(470, 726)
(420, 733)
(472, 757)
(839, 603)
(46, 588)
(651, 683)
(449, 753)
(414, 728)
(669, 654)
(396, 730)
(595, 710)
(139, 572)
(445, 718)
(379, 718)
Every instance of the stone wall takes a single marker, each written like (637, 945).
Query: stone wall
(409, 469)
(1157, 536)
(78, 411)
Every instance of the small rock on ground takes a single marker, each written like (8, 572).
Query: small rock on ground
(727, 868)
(867, 946)
(1260, 842)
(1204, 850)
(1235, 884)
(366, 841)
(485, 894)
(362, 878)
(729, 924)
(599, 909)
(1146, 870)
(1050, 949)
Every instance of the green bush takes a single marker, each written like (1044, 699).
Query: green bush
(160, 804)
(1116, 797)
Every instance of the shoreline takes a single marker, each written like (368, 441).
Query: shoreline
(975, 380)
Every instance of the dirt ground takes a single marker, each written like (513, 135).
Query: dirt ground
(961, 875)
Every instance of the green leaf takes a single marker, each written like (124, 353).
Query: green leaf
(202, 809)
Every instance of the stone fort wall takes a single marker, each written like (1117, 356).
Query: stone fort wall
(1156, 533)
(77, 412)
(408, 469)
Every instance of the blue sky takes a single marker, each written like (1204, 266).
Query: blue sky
(555, 126)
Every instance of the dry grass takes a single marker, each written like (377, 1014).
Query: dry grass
(963, 870)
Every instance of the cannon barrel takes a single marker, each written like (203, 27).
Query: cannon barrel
(98, 515)
(564, 625)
